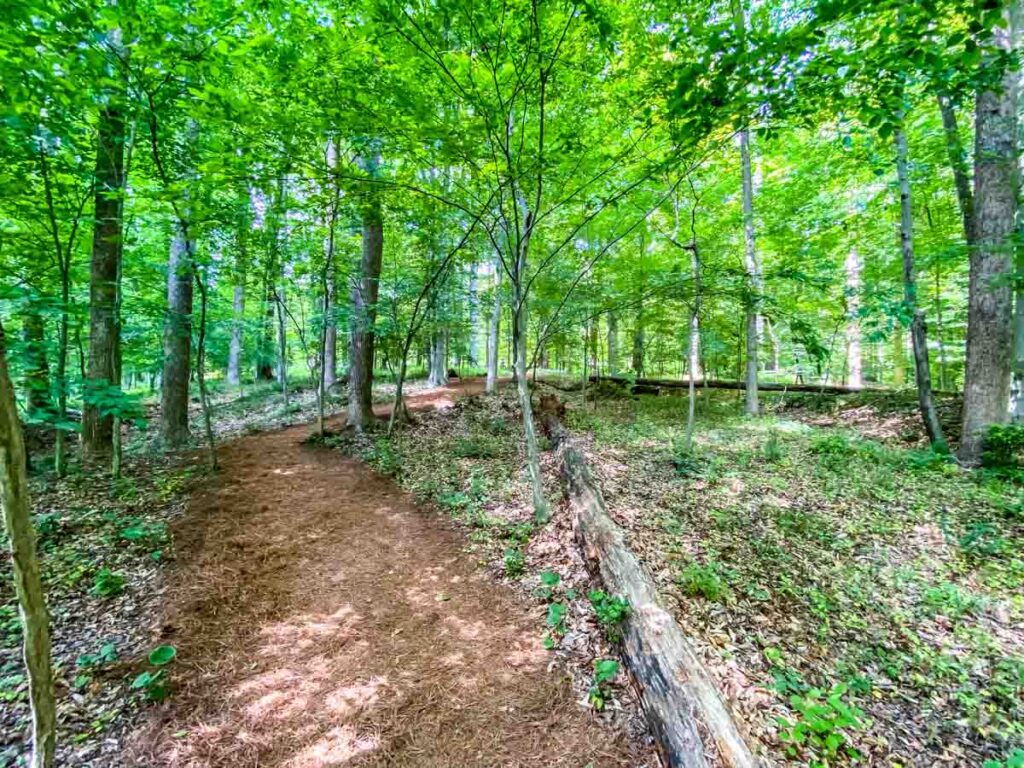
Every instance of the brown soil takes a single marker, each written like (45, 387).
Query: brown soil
(321, 619)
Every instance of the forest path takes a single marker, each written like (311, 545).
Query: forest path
(322, 620)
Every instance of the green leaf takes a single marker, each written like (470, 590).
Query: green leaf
(161, 655)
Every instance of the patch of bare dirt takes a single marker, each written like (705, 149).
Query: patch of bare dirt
(322, 620)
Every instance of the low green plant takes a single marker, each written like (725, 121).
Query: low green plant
(774, 452)
(556, 623)
(384, 458)
(107, 583)
(611, 611)
(107, 654)
(687, 462)
(515, 562)
(949, 600)
(1013, 760)
(155, 683)
(984, 539)
(821, 729)
(705, 581)
(475, 448)
(605, 671)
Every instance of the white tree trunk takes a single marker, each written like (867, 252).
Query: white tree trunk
(854, 367)
(753, 267)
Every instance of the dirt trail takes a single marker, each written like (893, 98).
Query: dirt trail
(322, 620)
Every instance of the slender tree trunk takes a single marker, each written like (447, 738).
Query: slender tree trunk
(25, 567)
(753, 267)
(438, 370)
(237, 329)
(613, 343)
(204, 398)
(265, 349)
(494, 330)
(694, 342)
(918, 330)
(773, 339)
(282, 343)
(854, 366)
(474, 318)
(1017, 381)
(990, 302)
(174, 428)
(638, 341)
(958, 164)
(60, 446)
(363, 316)
(519, 329)
(97, 429)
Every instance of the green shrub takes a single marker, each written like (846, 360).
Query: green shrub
(475, 448)
(1013, 760)
(688, 463)
(107, 583)
(605, 671)
(1004, 445)
(515, 562)
(774, 452)
(611, 611)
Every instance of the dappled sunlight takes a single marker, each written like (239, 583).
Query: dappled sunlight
(296, 636)
(338, 747)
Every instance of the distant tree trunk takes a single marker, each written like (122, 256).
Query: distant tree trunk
(237, 329)
(753, 267)
(990, 301)
(918, 330)
(265, 350)
(204, 397)
(282, 342)
(638, 341)
(693, 350)
(37, 370)
(854, 367)
(474, 319)
(899, 356)
(363, 315)
(613, 343)
(1017, 381)
(107, 243)
(438, 359)
(25, 567)
(177, 366)
(494, 330)
(773, 338)
(519, 329)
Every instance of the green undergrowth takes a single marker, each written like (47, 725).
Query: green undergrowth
(877, 591)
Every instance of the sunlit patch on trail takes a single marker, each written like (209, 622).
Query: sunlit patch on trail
(338, 747)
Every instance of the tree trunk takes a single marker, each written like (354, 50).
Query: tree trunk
(177, 367)
(237, 329)
(282, 342)
(638, 341)
(990, 300)
(958, 164)
(519, 328)
(494, 330)
(438, 360)
(753, 266)
(854, 366)
(613, 343)
(265, 349)
(97, 429)
(1017, 381)
(918, 331)
(363, 316)
(25, 566)
(473, 349)
(204, 398)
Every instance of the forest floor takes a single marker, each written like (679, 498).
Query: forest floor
(835, 578)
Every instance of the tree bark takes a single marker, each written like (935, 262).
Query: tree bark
(363, 315)
(237, 329)
(918, 330)
(107, 243)
(854, 364)
(494, 331)
(638, 341)
(613, 343)
(177, 367)
(438, 360)
(25, 566)
(990, 300)
(473, 347)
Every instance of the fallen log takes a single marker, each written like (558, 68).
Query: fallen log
(644, 383)
(688, 717)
